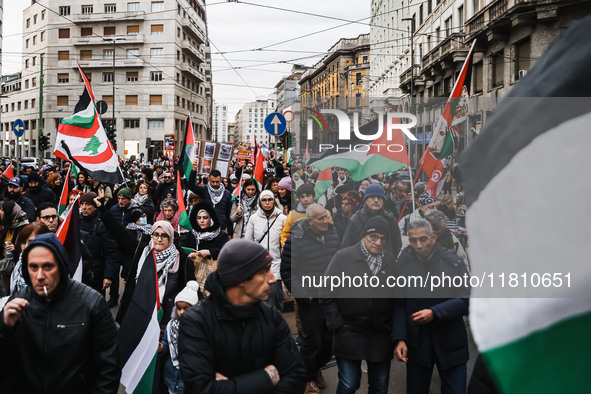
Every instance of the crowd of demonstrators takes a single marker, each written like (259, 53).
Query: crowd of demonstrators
(260, 241)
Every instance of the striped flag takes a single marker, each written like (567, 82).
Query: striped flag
(306, 158)
(140, 330)
(63, 204)
(81, 139)
(185, 164)
(442, 145)
(9, 173)
(323, 182)
(259, 168)
(533, 147)
(69, 235)
(237, 191)
(184, 217)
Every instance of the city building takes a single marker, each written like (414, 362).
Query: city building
(147, 60)
(288, 103)
(340, 80)
(232, 137)
(251, 121)
(220, 123)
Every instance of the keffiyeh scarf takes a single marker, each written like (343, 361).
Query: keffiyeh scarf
(374, 260)
(216, 194)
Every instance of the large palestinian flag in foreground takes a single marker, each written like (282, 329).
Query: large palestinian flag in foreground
(140, 330)
(370, 158)
(521, 172)
(81, 139)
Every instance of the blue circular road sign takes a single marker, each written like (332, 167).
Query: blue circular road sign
(275, 124)
(19, 127)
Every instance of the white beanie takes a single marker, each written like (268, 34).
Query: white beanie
(189, 293)
(266, 193)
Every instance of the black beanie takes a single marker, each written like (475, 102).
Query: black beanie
(89, 198)
(239, 260)
(376, 224)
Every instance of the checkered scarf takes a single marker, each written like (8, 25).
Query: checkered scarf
(373, 260)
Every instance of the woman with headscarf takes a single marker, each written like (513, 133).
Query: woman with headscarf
(283, 195)
(13, 219)
(349, 204)
(244, 207)
(172, 267)
(208, 239)
(297, 181)
(142, 198)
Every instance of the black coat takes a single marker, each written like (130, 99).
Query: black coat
(357, 221)
(27, 205)
(42, 194)
(106, 257)
(214, 245)
(65, 345)
(445, 337)
(238, 342)
(362, 326)
(222, 208)
(163, 190)
(305, 254)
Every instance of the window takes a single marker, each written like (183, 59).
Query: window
(26, 63)
(131, 100)
(88, 76)
(476, 5)
(522, 58)
(157, 29)
(132, 76)
(86, 31)
(107, 77)
(26, 104)
(156, 76)
(110, 8)
(109, 30)
(133, 6)
(429, 7)
(365, 59)
(448, 27)
(34, 82)
(133, 30)
(65, 10)
(34, 40)
(498, 63)
(42, 36)
(27, 43)
(107, 54)
(33, 103)
(157, 6)
(155, 123)
(63, 78)
(421, 15)
(437, 35)
(109, 100)
(461, 17)
(26, 83)
(156, 99)
(87, 9)
(86, 54)
(28, 22)
(477, 77)
(178, 30)
(62, 101)
(43, 15)
(358, 79)
(132, 53)
(131, 123)
(35, 19)
(34, 60)
(63, 33)
(156, 52)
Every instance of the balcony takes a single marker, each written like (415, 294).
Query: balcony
(451, 50)
(187, 46)
(114, 16)
(405, 79)
(108, 63)
(192, 28)
(120, 40)
(188, 69)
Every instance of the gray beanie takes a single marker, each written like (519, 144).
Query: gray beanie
(239, 260)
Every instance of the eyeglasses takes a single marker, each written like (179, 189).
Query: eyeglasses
(266, 200)
(160, 236)
(49, 217)
(373, 238)
(166, 177)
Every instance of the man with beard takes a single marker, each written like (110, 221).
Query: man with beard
(38, 192)
(166, 189)
(373, 205)
(14, 193)
(214, 194)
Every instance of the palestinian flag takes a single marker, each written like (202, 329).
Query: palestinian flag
(69, 235)
(306, 158)
(378, 156)
(323, 182)
(81, 139)
(185, 164)
(442, 146)
(63, 204)
(140, 330)
(259, 168)
(237, 191)
(184, 219)
(9, 173)
(533, 147)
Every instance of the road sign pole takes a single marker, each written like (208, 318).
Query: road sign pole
(18, 155)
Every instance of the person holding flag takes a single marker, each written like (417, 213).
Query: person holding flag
(214, 194)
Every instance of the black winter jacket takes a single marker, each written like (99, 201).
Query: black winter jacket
(27, 205)
(357, 221)
(106, 257)
(360, 318)
(42, 194)
(222, 208)
(214, 245)
(445, 337)
(238, 342)
(304, 254)
(65, 345)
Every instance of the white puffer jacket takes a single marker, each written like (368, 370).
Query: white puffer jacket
(257, 227)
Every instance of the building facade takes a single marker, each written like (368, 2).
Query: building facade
(146, 59)
(250, 121)
(220, 123)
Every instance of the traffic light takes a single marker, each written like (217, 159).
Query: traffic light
(43, 142)
(112, 136)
